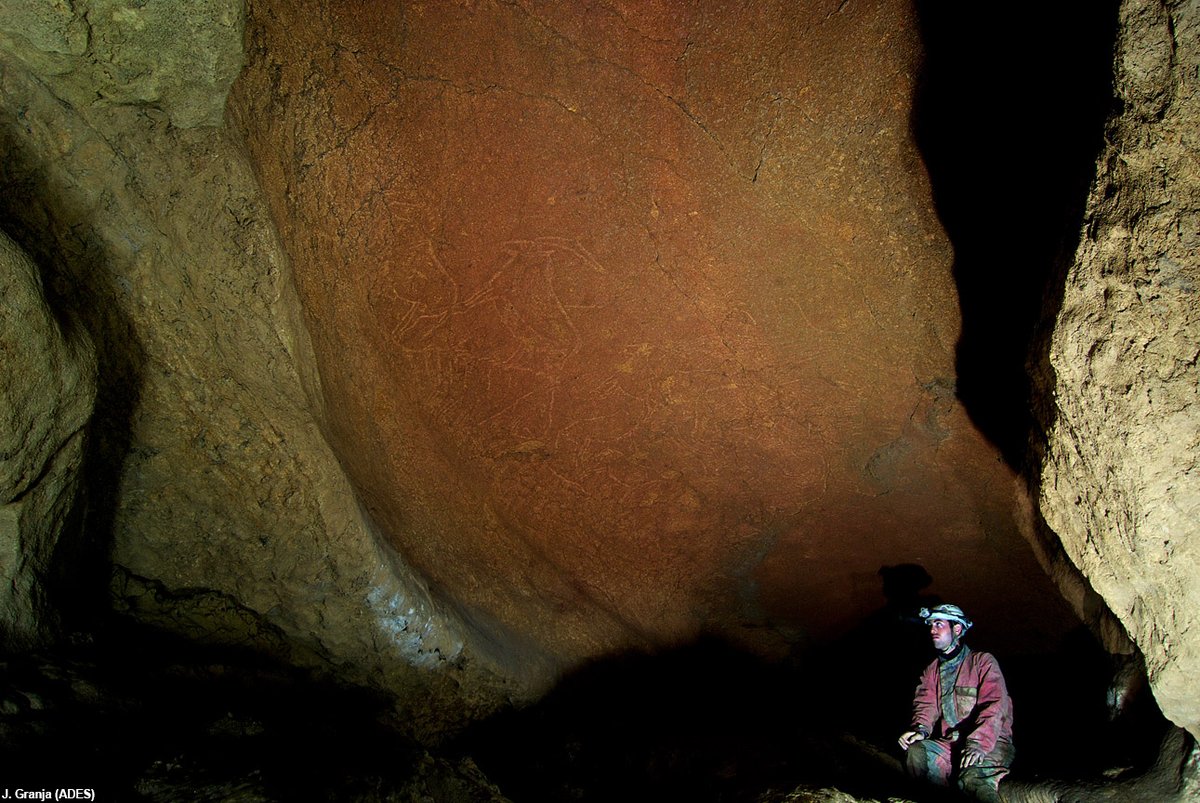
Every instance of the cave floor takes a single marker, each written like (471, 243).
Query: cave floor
(137, 716)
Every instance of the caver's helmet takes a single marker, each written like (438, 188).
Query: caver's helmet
(949, 613)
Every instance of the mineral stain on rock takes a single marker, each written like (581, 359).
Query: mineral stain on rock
(696, 265)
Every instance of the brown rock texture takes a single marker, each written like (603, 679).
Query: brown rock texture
(47, 389)
(178, 57)
(1121, 485)
(634, 320)
(211, 488)
(628, 322)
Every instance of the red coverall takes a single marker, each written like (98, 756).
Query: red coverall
(962, 704)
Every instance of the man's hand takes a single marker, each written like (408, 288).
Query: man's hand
(970, 758)
(908, 738)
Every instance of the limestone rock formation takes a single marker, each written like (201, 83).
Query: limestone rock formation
(230, 519)
(633, 324)
(47, 388)
(179, 57)
(492, 337)
(1121, 479)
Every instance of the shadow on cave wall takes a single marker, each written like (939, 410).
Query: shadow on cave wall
(1009, 117)
(701, 722)
(56, 229)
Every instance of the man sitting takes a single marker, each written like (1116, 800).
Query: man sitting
(962, 715)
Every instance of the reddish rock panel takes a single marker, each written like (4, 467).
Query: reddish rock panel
(633, 320)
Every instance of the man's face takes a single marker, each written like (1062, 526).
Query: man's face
(944, 634)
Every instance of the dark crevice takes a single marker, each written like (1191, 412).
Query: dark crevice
(1009, 116)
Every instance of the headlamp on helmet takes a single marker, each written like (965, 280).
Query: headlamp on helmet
(947, 613)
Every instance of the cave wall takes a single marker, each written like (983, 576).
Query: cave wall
(497, 336)
(224, 513)
(635, 322)
(47, 390)
(1120, 484)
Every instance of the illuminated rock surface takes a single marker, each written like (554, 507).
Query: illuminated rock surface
(634, 325)
(480, 341)
(1121, 484)
(210, 488)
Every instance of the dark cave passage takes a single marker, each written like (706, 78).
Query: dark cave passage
(1009, 115)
